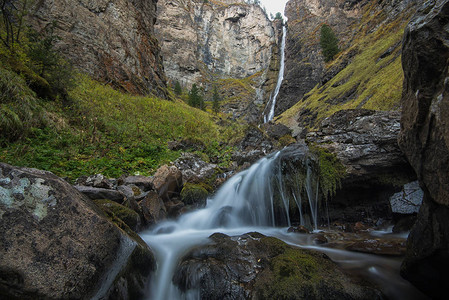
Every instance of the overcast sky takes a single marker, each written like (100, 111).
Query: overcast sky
(274, 6)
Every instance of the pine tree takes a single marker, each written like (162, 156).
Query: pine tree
(178, 88)
(215, 101)
(195, 98)
(329, 43)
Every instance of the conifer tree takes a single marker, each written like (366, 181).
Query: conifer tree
(329, 43)
(195, 98)
(178, 88)
(215, 101)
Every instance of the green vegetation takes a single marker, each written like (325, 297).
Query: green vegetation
(215, 101)
(55, 119)
(328, 43)
(370, 74)
(195, 97)
(330, 170)
(114, 210)
(194, 194)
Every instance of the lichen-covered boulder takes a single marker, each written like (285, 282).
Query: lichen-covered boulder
(56, 244)
(254, 266)
(424, 139)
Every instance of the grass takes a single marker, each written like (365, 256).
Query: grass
(105, 131)
(369, 81)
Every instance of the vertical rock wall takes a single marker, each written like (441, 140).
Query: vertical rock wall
(425, 141)
(205, 42)
(111, 40)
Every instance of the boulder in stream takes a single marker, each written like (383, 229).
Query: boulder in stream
(56, 244)
(254, 266)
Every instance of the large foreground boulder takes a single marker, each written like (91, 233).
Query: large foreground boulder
(254, 266)
(425, 141)
(56, 244)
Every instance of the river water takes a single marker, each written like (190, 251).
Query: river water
(255, 200)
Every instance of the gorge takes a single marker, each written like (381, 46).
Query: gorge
(303, 183)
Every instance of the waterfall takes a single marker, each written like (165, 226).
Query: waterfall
(257, 199)
(268, 117)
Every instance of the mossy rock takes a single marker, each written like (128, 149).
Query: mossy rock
(194, 194)
(124, 214)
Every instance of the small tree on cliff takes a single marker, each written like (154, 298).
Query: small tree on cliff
(329, 43)
(195, 98)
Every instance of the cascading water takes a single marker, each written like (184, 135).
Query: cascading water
(257, 199)
(270, 115)
(254, 199)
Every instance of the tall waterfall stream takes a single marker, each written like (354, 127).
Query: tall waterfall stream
(257, 200)
(268, 117)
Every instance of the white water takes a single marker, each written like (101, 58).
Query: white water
(253, 200)
(270, 114)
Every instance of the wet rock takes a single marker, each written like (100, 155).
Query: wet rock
(320, 239)
(130, 200)
(174, 208)
(56, 244)
(424, 139)
(405, 223)
(194, 194)
(299, 229)
(253, 266)
(407, 201)
(127, 215)
(167, 181)
(99, 193)
(365, 142)
(142, 182)
(153, 208)
(374, 246)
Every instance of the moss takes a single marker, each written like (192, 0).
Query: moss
(330, 170)
(120, 214)
(194, 194)
(286, 140)
(295, 274)
(372, 79)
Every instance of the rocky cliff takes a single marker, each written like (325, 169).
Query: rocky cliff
(111, 40)
(425, 141)
(365, 74)
(304, 62)
(223, 43)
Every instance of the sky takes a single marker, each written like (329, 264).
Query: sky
(274, 6)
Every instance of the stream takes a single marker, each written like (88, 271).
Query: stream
(256, 200)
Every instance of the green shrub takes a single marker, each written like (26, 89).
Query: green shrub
(328, 43)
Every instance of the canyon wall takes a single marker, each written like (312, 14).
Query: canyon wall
(424, 139)
(112, 40)
(211, 42)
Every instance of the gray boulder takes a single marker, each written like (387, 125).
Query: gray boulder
(56, 244)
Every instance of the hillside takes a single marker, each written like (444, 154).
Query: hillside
(367, 73)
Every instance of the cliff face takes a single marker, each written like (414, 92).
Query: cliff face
(304, 64)
(366, 74)
(424, 139)
(207, 43)
(111, 40)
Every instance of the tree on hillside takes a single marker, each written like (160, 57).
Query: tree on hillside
(195, 98)
(12, 16)
(178, 88)
(329, 43)
(215, 101)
